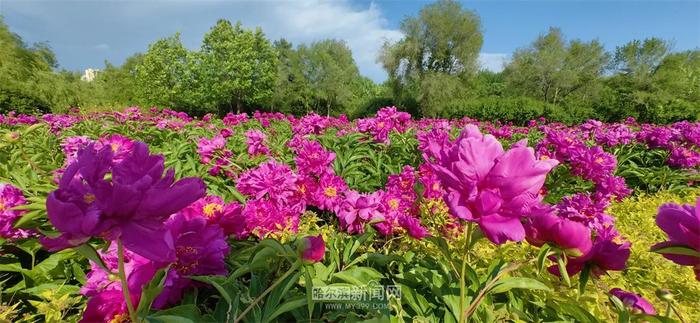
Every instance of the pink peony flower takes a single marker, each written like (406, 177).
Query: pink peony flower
(490, 186)
(358, 209)
(11, 197)
(256, 143)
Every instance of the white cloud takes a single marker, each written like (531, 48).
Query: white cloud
(364, 30)
(114, 30)
(494, 62)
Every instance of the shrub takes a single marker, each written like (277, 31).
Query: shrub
(518, 110)
(21, 102)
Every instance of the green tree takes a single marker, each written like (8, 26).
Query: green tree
(638, 60)
(292, 93)
(159, 74)
(119, 82)
(441, 44)
(552, 70)
(331, 71)
(653, 84)
(239, 66)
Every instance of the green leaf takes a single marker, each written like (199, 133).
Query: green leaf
(677, 250)
(359, 276)
(182, 313)
(217, 282)
(88, 251)
(562, 270)
(545, 251)
(508, 283)
(583, 279)
(151, 291)
(308, 282)
(287, 306)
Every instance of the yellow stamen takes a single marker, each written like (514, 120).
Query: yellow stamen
(210, 208)
(330, 192)
(89, 198)
(394, 204)
(120, 318)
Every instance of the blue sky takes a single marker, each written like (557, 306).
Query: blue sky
(85, 33)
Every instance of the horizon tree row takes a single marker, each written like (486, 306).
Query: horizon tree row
(433, 71)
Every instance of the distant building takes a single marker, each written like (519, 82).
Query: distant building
(89, 75)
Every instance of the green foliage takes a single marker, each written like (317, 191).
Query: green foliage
(649, 271)
(552, 70)
(237, 66)
(21, 102)
(159, 75)
(518, 110)
(329, 68)
(443, 41)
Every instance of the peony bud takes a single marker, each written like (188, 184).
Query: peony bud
(664, 295)
(312, 249)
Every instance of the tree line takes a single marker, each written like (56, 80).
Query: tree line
(432, 72)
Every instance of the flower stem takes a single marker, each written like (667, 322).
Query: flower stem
(680, 317)
(125, 284)
(462, 278)
(267, 291)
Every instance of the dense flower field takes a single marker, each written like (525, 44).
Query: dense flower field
(158, 216)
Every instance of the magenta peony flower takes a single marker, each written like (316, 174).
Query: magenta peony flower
(71, 146)
(592, 163)
(387, 119)
(634, 301)
(681, 223)
(139, 272)
(227, 216)
(121, 146)
(108, 306)
(358, 209)
(265, 216)
(206, 148)
(214, 150)
(313, 159)
(330, 192)
(585, 208)
(609, 252)
(200, 249)
(270, 179)
(256, 143)
(487, 185)
(413, 226)
(683, 157)
(131, 205)
(11, 197)
(106, 300)
(312, 249)
(234, 119)
(544, 226)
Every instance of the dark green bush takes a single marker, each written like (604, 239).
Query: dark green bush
(21, 102)
(518, 110)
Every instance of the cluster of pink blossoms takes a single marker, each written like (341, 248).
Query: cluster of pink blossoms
(10, 198)
(387, 119)
(142, 206)
(315, 124)
(501, 191)
(590, 163)
(213, 152)
(255, 139)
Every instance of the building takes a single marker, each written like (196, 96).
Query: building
(89, 75)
